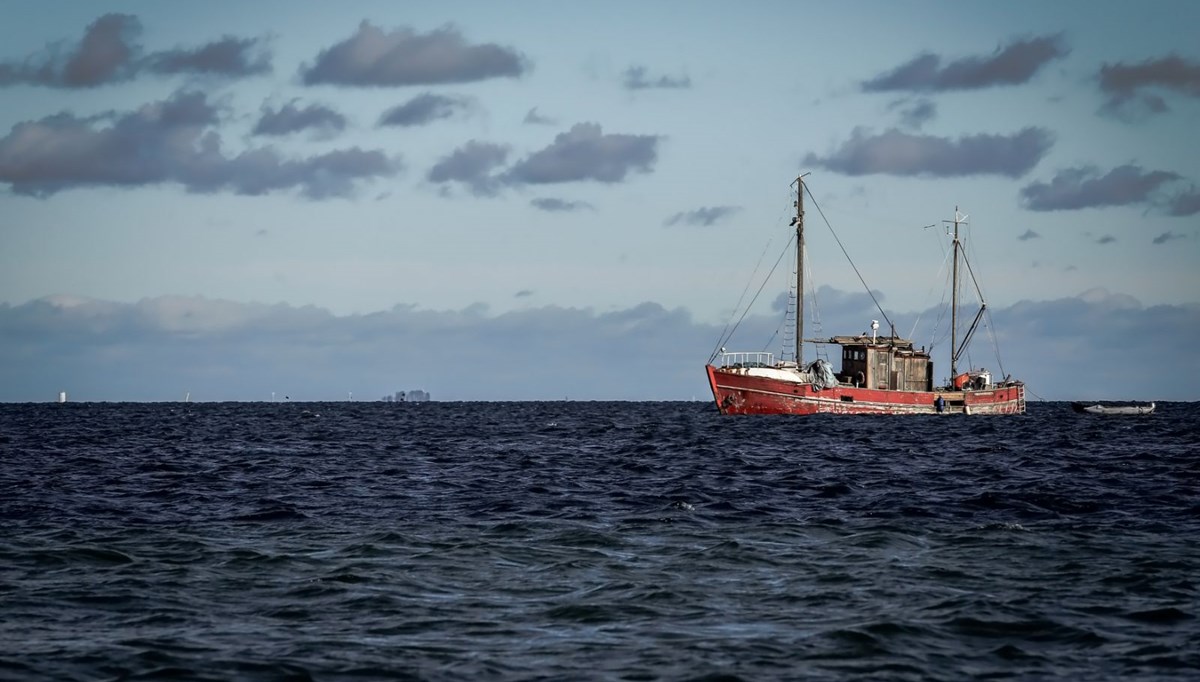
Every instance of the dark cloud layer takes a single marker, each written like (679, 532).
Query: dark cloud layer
(170, 141)
(895, 152)
(1126, 85)
(291, 118)
(374, 57)
(585, 152)
(705, 216)
(221, 350)
(424, 108)
(635, 78)
(1011, 64)
(1075, 188)
(154, 349)
(109, 53)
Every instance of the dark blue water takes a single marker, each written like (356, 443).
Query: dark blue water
(614, 541)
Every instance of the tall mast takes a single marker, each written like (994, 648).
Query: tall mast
(954, 306)
(800, 270)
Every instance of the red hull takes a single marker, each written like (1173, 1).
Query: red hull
(739, 393)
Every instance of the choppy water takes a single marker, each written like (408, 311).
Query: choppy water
(638, 541)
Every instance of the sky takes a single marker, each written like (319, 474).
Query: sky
(544, 200)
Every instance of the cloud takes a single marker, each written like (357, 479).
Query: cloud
(290, 119)
(374, 57)
(1125, 84)
(635, 79)
(228, 56)
(585, 152)
(895, 152)
(915, 113)
(156, 349)
(552, 205)
(472, 165)
(109, 53)
(424, 108)
(169, 141)
(1084, 187)
(1185, 203)
(1106, 239)
(1069, 339)
(1166, 237)
(105, 54)
(704, 216)
(524, 293)
(1029, 234)
(534, 118)
(1012, 64)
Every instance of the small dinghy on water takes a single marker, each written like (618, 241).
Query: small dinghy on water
(1113, 409)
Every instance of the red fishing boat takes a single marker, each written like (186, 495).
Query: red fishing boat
(878, 375)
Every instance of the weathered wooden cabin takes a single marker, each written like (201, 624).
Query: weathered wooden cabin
(884, 362)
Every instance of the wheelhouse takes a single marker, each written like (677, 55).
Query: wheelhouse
(884, 362)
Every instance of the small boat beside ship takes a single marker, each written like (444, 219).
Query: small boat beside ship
(879, 374)
(1113, 409)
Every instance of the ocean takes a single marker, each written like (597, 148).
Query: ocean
(594, 541)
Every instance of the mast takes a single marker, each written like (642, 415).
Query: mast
(800, 271)
(954, 307)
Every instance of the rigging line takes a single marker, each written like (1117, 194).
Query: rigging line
(847, 255)
(783, 322)
(755, 298)
(934, 339)
(971, 272)
(945, 258)
(987, 313)
(772, 340)
(789, 312)
(812, 292)
(995, 344)
(727, 331)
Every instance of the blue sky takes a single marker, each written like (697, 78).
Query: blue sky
(538, 200)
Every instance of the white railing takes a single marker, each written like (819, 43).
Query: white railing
(751, 359)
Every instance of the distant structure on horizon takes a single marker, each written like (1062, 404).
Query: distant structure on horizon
(413, 396)
(62, 396)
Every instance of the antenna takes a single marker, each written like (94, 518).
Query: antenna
(959, 219)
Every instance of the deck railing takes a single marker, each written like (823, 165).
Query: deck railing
(747, 359)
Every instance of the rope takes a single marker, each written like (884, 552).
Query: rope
(725, 338)
(929, 294)
(847, 255)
